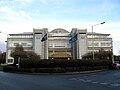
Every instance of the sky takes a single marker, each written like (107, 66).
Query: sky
(17, 16)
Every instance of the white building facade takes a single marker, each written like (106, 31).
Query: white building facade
(58, 45)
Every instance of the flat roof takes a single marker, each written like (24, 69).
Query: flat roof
(25, 33)
(90, 33)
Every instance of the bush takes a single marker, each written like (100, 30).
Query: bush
(62, 63)
(9, 68)
(59, 66)
(1, 67)
(61, 70)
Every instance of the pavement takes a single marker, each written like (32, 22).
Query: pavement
(105, 80)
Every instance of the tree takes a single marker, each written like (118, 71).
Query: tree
(19, 53)
(100, 55)
(2, 57)
(32, 55)
(0, 52)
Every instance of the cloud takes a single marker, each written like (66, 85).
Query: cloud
(6, 10)
(23, 1)
(52, 3)
(1, 1)
(44, 2)
(10, 15)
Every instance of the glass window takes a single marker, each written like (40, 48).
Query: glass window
(10, 60)
(50, 45)
(29, 44)
(15, 44)
(59, 46)
(23, 44)
(106, 44)
(82, 36)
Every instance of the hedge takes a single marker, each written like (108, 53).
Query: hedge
(63, 63)
(53, 70)
(58, 66)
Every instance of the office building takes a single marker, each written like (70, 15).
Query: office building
(59, 43)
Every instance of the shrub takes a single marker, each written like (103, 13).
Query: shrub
(62, 63)
(1, 67)
(9, 68)
(59, 66)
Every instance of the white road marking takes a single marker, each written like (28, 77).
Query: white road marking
(81, 79)
(115, 84)
(73, 79)
(95, 82)
(104, 83)
(88, 80)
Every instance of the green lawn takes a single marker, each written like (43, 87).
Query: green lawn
(1, 67)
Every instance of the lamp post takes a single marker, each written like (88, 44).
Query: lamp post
(93, 56)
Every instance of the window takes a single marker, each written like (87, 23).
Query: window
(15, 44)
(106, 44)
(37, 37)
(50, 45)
(82, 36)
(102, 44)
(96, 44)
(59, 46)
(10, 60)
(29, 44)
(23, 44)
(11, 45)
(93, 44)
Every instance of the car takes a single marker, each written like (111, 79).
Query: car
(116, 66)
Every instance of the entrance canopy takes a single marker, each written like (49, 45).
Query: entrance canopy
(60, 55)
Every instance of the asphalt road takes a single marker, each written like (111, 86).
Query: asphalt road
(106, 80)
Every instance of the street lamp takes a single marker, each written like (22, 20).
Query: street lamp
(93, 39)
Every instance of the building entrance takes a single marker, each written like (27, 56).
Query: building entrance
(60, 55)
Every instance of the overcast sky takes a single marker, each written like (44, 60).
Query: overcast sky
(17, 16)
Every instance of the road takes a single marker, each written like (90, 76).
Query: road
(105, 80)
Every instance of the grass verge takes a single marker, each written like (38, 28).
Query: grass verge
(1, 67)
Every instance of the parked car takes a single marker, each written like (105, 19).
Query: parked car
(116, 66)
